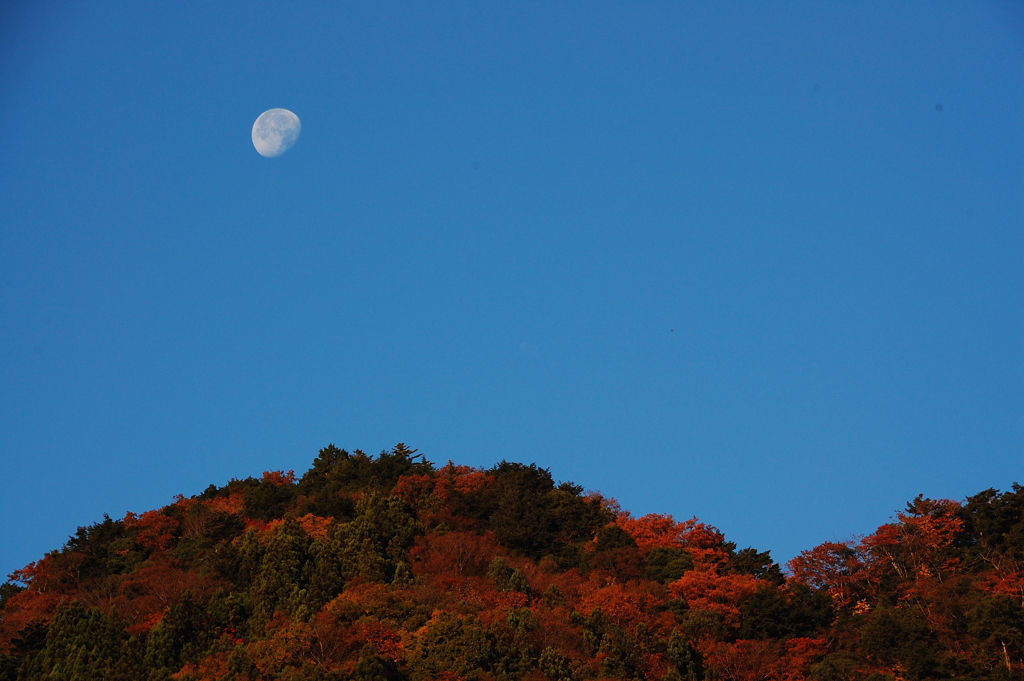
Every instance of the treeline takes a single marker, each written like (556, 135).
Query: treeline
(387, 567)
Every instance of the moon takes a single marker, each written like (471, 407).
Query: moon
(275, 131)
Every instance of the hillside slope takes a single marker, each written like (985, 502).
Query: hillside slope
(388, 567)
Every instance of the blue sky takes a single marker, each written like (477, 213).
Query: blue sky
(758, 263)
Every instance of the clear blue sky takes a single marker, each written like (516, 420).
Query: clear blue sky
(762, 263)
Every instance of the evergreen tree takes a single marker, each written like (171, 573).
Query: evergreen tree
(84, 645)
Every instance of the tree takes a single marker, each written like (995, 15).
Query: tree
(270, 497)
(901, 639)
(84, 645)
(452, 643)
(667, 564)
(279, 583)
(377, 540)
(381, 568)
(777, 613)
(683, 658)
(529, 514)
(838, 567)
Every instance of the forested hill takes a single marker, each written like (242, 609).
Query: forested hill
(389, 567)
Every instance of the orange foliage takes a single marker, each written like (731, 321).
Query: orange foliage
(39, 576)
(314, 526)
(155, 530)
(653, 530)
(285, 647)
(25, 608)
(461, 479)
(512, 600)
(354, 600)
(232, 503)
(473, 481)
(748, 660)
(838, 567)
(625, 606)
(1007, 584)
(450, 564)
(744, 660)
(46, 581)
(801, 653)
(885, 542)
(412, 488)
(146, 625)
(386, 640)
(213, 668)
(705, 589)
(913, 546)
(260, 526)
(454, 553)
(43, 591)
(935, 521)
(326, 640)
(145, 595)
(610, 504)
(279, 477)
(704, 542)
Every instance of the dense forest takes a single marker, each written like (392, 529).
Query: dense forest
(389, 567)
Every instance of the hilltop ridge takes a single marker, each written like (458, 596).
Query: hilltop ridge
(390, 567)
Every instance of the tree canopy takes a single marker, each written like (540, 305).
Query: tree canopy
(389, 567)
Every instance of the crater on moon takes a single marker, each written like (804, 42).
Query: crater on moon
(275, 131)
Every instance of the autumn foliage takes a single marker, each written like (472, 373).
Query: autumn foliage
(388, 567)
